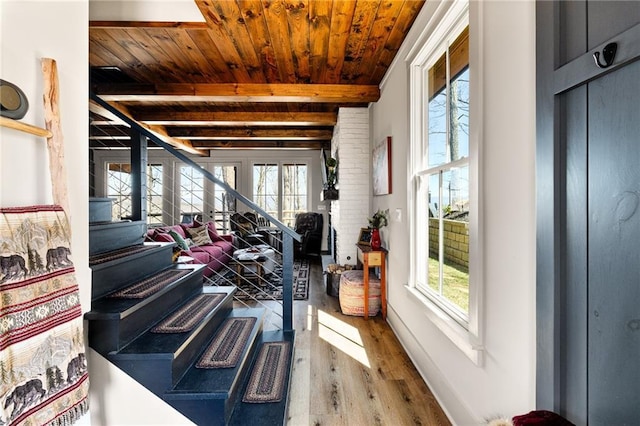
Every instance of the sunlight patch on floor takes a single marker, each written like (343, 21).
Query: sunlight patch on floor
(310, 317)
(342, 336)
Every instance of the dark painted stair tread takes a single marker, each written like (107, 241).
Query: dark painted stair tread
(153, 247)
(198, 382)
(269, 413)
(168, 344)
(116, 308)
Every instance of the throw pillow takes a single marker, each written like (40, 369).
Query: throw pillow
(200, 235)
(179, 240)
(213, 232)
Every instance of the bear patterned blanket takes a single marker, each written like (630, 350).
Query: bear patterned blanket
(43, 371)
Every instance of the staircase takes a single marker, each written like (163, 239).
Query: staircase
(120, 329)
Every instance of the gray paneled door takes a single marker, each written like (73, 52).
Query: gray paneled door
(588, 183)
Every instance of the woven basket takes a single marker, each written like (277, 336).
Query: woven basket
(352, 293)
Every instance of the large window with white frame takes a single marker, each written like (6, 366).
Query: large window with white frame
(443, 170)
(281, 189)
(119, 190)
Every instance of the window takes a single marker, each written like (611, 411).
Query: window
(294, 192)
(444, 210)
(154, 194)
(191, 194)
(284, 194)
(265, 187)
(224, 204)
(119, 189)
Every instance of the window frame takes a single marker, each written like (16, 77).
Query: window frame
(447, 24)
(280, 164)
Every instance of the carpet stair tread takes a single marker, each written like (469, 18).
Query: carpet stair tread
(271, 413)
(218, 382)
(107, 307)
(119, 255)
(169, 344)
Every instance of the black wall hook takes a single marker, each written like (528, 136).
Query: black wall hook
(608, 54)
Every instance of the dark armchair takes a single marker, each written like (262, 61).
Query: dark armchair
(245, 227)
(309, 225)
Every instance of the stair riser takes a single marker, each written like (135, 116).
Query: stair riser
(99, 210)
(159, 372)
(112, 335)
(201, 405)
(197, 343)
(107, 278)
(210, 412)
(103, 238)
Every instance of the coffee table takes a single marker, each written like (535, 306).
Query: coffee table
(254, 262)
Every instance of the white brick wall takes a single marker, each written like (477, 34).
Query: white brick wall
(350, 145)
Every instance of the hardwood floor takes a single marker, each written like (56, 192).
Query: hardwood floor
(349, 371)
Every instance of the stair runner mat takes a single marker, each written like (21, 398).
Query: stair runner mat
(228, 344)
(150, 285)
(117, 254)
(269, 374)
(189, 315)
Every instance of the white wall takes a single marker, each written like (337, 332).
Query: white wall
(350, 145)
(29, 31)
(503, 38)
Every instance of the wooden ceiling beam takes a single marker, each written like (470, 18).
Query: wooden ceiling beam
(253, 144)
(159, 131)
(188, 118)
(233, 92)
(149, 24)
(199, 133)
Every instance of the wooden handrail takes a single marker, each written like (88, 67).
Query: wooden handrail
(24, 127)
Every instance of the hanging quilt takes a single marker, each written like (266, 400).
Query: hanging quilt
(43, 370)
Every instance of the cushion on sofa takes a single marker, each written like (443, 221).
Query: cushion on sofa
(211, 228)
(179, 239)
(199, 235)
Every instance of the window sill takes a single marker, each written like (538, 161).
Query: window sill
(460, 336)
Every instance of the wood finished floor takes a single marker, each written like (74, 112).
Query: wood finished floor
(348, 371)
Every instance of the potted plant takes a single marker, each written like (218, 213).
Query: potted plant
(330, 192)
(378, 220)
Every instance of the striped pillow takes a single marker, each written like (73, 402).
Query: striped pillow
(199, 235)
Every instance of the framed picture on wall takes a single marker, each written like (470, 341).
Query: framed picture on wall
(365, 237)
(382, 167)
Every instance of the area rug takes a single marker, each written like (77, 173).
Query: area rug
(272, 288)
(117, 254)
(150, 285)
(189, 315)
(228, 344)
(269, 374)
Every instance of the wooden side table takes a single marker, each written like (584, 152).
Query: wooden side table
(369, 258)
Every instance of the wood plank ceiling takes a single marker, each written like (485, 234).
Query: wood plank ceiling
(256, 73)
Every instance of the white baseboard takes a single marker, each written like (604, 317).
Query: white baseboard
(445, 394)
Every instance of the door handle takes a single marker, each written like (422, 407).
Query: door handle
(608, 54)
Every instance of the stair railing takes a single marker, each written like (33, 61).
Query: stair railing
(285, 235)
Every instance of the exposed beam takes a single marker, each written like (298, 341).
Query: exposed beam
(205, 145)
(188, 118)
(196, 133)
(233, 92)
(149, 24)
(103, 112)
(161, 133)
(254, 144)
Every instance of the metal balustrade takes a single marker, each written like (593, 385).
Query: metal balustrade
(181, 191)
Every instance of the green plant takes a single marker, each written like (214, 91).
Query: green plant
(379, 219)
(332, 176)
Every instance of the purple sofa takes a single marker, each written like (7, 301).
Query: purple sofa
(215, 252)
